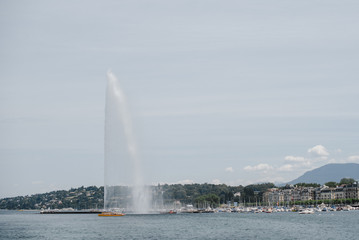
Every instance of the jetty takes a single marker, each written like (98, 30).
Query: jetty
(59, 211)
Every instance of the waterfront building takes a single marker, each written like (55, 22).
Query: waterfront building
(339, 192)
(273, 196)
(351, 191)
(307, 194)
(287, 195)
(292, 193)
(317, 193)
(327, 193)
(296, 194)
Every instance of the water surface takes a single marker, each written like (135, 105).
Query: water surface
(326, 225)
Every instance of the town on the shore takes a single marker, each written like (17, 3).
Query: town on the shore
(297, 194)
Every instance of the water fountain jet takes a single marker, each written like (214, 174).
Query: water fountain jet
(124, 187)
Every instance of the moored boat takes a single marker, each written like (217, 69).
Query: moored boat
(111, 214)
(307, 211)
(169, 212)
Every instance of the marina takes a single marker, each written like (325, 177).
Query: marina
(189, 210)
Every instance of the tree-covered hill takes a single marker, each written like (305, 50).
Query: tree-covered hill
(77, 198)
(92, 197)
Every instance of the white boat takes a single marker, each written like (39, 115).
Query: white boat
(307, 211)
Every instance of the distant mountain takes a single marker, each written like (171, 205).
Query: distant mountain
(330, 172)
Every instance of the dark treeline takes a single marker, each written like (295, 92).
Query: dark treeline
(77, 198)
(92, 197)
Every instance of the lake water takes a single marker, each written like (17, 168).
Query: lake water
(325, 225)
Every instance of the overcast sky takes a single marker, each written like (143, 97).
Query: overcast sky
(221, 91)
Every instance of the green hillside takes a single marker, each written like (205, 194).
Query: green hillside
(92, 197)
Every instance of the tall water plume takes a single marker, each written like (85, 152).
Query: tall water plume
(124, 187)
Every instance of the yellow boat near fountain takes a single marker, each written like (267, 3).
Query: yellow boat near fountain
(111, 214)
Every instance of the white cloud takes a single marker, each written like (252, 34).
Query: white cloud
(186, 181)
(229, 169)
(350, 159)
(286, 168)
(216, 181)
(273, 179)
(353, 158)
(294, 159)
(294, 166)
(259, 167)
(319, 150)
